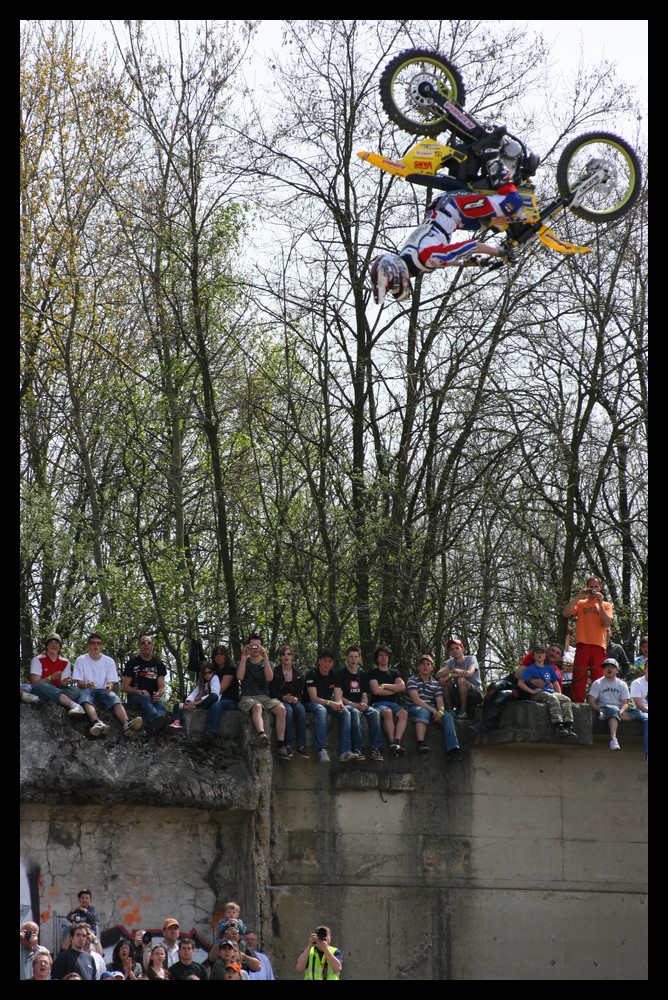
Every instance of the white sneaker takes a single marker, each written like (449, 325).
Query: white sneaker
(614, 744)
(130, 727)
(348, 757)
(76, 710)
(137, 722)
(98, 728)
(323, 757)
(30, 699)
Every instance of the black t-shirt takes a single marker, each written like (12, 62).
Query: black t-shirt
(352, 685)
(254, 682)
(230, 693)
(388, 676)
(145, 673)
(181, 971)
(71, 960)
(324, 685)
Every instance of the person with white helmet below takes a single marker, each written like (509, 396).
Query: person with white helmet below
(429, 246)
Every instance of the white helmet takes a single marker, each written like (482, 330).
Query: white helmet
(389, 273)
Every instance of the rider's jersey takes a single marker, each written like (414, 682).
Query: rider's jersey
(429, 246)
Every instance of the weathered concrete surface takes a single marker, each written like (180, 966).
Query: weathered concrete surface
(526, 861)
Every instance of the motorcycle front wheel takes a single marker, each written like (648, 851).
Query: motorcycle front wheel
(401, 91)
(612, 199)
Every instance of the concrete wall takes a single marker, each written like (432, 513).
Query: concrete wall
(525, 861)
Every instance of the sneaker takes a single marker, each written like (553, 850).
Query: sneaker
(289, 749)
(560, 729)
(376, 754)
(303, 752)
(175, 724)
(76, 710)
(396, 749)
(137, 722)
(614, 744)
(459, 713)
(478, 728)
(569, 729)
(128, 728)
(30, 699)
(98, 728)
(359, 753)
(348, 757)
(283, 753)
(263, 739)
(455, 754)
(323, 756)
(421, 747)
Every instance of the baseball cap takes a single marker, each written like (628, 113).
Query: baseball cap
(425, 656)
(610, 662)
(539, 645)
(452, 641)
(53, 636)
(557, 644)
(227, 941)
(170, 922)
(235, 966)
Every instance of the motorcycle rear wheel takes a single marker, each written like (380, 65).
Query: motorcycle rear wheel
(617, 196)
(402, 101)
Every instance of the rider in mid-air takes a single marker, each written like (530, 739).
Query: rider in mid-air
(428, 246)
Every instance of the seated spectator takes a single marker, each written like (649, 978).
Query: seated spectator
(143, 683)
(639, 662)
(204, 695)
(424, 702)
(50, 678)
(386, 690)
(229, 690)
(320, 701)
(287, 685)
(255, 674)
(540, 681)
(123, 960)
(157, 963)
(498, 695)
(84, 911)
(231, 914)
(460, 680)
(609, 697)
(567, 660)
(352, 689)
(639, 693)
(95, 675)
(41, 965)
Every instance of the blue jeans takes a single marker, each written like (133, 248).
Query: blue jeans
(298, 713)
(421, 714)
(214, 713)
(49, 692)
(319, 713)
(147, 708)
(373, 724)
(100, 696)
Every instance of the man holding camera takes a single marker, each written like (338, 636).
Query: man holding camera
(30, 947)
(170, 942)
(319, 960)
(593, 616)
(254, 674)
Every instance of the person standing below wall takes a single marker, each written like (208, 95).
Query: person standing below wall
(319, 960)
(593, 616)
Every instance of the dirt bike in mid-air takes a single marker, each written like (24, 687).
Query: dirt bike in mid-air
(598, 174)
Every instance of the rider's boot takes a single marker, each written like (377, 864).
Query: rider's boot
(389, 273)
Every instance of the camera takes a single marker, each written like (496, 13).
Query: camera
(321, 933)
(146, 938)
(254, 646)
(27, 935)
